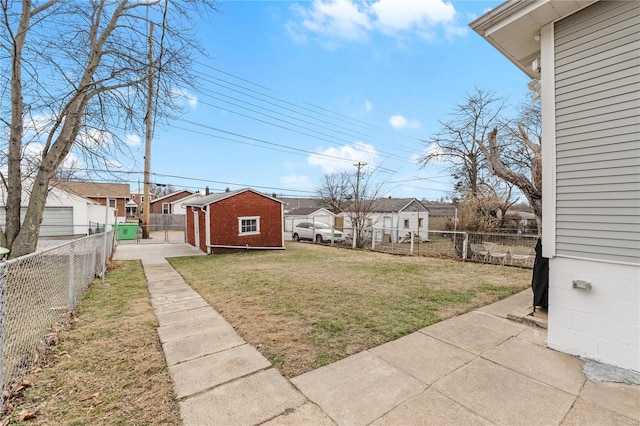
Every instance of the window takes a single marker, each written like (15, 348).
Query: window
(112, 203)
(420, 223)
(248, 225)
(142, 198)
(406, 223)
(165, 208)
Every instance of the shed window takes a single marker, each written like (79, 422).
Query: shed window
(406, 223)
(165, 208)
(420, 223)
(112, 203)
(248, 225)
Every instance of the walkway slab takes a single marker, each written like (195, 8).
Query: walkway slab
(205, 313)
(191, 327)
(548, 366)
(503, 396)
(308, 415)
(247, 401)
(359, 389)
(619, 397)
(425, 358)
(197, 345)
(586, 413)
(430, 408)
(185, 305)
(208, 371)
(474, 332)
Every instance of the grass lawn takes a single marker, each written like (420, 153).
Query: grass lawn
(108, 367)
(311, 305)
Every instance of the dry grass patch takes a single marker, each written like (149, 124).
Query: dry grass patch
(109, 367)
(312, 305)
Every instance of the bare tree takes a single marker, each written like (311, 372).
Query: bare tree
(521, 163)
(80, 70)
(356, 193)
(335, 191)
(458, 142)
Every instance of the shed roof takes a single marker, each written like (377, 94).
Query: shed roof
(214, 198)
(514, 27)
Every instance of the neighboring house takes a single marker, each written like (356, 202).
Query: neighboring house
(241, 219)
(440, 214)
(397, 217)
(291, 203)
(308, 214)
(117, 193)
(167, 203)
(179, 206)
(137, 197)
(586, 56)
(65, 213)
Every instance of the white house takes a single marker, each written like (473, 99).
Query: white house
(584, 58)
(396, 218)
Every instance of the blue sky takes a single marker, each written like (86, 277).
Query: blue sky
(293, 90)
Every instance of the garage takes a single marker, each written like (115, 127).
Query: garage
(56, 221)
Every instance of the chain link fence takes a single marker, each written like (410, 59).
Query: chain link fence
(38, 292)
(506, 249)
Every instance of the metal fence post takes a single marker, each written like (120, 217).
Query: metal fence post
(72, 269)
(3, 323)
(465, 243)
(411, 249)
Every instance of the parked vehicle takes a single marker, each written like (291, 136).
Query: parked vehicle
(318, 232)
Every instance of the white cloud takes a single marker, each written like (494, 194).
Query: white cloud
(342, 19)
(328, 159)
(352, 20)
(367, 106)
(185, 97)
(433, 150)
(298, 181)
(400, 122)
(403, 15)
(133, 140)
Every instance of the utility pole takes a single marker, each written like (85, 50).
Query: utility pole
(358, 213)
(147, 147)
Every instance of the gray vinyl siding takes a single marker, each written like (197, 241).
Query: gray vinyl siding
(597, 72)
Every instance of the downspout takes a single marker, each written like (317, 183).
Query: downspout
(283, 224)
(207, 228)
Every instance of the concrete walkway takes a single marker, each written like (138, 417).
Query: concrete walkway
(478, 368)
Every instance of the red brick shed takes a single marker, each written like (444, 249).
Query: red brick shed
(241, 219)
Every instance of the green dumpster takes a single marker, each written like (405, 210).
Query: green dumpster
(126, 231)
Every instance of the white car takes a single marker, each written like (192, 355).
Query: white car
(318, 232)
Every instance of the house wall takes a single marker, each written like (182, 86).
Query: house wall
(223, 221)
(591, 184)
(191, 229)
(121, 211)
(597, 108)
(601, 324)
(156, 205)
